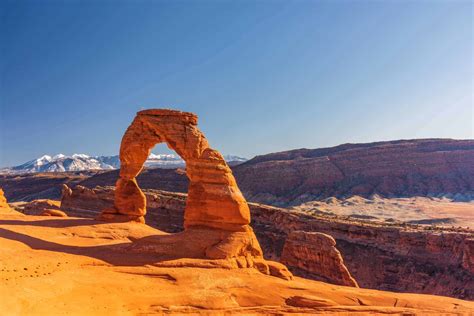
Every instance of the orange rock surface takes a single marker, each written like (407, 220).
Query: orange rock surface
(316, 254)
(4, 207)
(216, 217)
(214, 200)
(74, 266)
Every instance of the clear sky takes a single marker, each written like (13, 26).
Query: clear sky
(263, 76)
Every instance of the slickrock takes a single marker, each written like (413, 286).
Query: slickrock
(76, 266)
(216, 217)
(315, 254)
(384, 257)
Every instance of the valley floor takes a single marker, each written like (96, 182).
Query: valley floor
(441, 212)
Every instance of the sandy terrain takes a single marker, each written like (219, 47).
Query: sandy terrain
(414, 210)
(51, 266)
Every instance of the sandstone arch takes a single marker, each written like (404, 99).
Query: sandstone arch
(214, 199)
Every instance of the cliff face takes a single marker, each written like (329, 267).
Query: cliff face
(396, 258)
(425, 167)
(404, 259)
(397, 168)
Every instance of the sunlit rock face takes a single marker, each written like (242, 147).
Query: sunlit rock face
(214, 200)
(4, 207)
(316, 255)
(216, 217)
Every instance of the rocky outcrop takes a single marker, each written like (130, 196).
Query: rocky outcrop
(37, 207)
(216, 216)
(53, 212)
(76, 266)
(315, 255)
(405, 258)
(4, 207)
(42, 207)
(214, 200)
(389, 257)
(165, 210)
(425, 167)
(29, 187)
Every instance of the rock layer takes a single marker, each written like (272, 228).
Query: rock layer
(316, 254)
(423, 167)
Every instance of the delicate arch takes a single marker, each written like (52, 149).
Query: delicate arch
(214, 199)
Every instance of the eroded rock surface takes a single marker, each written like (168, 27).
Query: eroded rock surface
(214, 200)
(216, 217)
(315, 254)
(76, 266)
(390, 257)
(4, 207)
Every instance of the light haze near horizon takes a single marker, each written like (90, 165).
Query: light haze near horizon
(262, 76)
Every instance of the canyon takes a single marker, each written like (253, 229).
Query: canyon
(388, 238)
(211, 250)
(384, 256)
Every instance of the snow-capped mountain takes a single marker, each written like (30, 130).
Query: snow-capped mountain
(81, 162)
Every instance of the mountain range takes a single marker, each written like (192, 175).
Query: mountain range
(83, 162)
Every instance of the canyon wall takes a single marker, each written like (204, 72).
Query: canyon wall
(424, 167)
(389, 257)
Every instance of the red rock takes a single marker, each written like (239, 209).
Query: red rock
(216, 217)
(214, 200)
(381, 257)
(4, 207)
(316, 254)
(37, 207)
(395, 168)
(53, 212)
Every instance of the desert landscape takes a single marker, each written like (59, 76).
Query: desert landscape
(208, 157)
(199, 249)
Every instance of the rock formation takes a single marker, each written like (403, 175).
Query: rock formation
(214, 200)
(77, 266)
(316, 254)
(165, 210)
(425, 167)
(37, 207)
(29, 187)
(216, 217)
(390, 257)
(4, 207)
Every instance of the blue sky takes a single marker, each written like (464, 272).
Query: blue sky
(263, 76)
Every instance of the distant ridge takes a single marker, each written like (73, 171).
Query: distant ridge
(83, 162)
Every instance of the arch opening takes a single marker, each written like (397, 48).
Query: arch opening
(165, 185)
